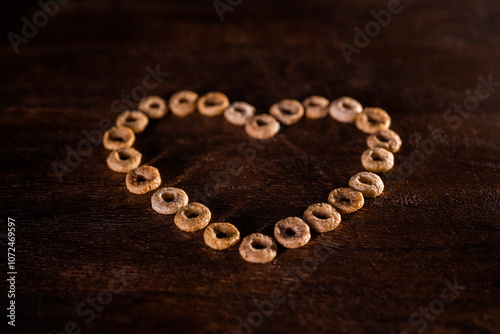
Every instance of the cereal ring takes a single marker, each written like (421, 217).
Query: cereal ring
(192, 217)
(292, 232)
(169, 200)
(118, 137)
(378, 160)
(287, 111)
(345, 109)
(346, 200)
(258, 248)
(387, 139)
(221, 236)
(372, 120)
(239, 112)
(142, 179)
(183, 103)
(322, 217)
(262, 126)
(153, 106)
(124, 159)
(212, 104)
(134, 119)
(316, 107)
(369, 184)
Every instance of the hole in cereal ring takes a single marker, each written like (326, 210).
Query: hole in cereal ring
(131, 119)
(167, 197)
(221, 235)
(213, 103)
(116, 138)
(183, 100)
(123, 155)
(257, 245)
(141, 178)
(290, 232)
(154, 105)
(345, 200)
(373, 119)
(383, 138)
(260, 122)
(192, 215)
(320, 215)
(376, 157)
(365, 180)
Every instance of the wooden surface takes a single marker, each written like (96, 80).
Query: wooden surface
(382, 263)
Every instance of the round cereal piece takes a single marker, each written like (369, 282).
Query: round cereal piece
(262, 126)
(378, 160)
(258, 248)
(124, 159)
(322, 217)
(346, 200)
(287, 111)
(292, 232)
(118, 137)
(221, 236)
(345, 109)
(143, 179)
(387, 139)
(212, 104)
(169, 200)
(316, 107)
(192, 217)
(153, 106)
(372, 120)
(239, 112)
(134, 119)
(183, 103)
(369, 184)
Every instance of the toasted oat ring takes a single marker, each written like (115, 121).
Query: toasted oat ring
(212, 104)
(372, 120)
(134, 119)
(183, 103)
(346, 200)
(118, 137)
(221, 236)
(258, 248)
(239, 112)
(124, 160)
(316, 107)
(292, 232)
(143, 179)
(369, 184)
(153, 106)
(262, 126)
(169, 200)
(287, 111)
(322, 217)
(387, 139)
(192, 217)
(378, 160)
(345, 109)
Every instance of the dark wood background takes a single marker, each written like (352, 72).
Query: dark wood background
(382, 264)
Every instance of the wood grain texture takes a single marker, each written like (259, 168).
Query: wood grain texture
(382, 263)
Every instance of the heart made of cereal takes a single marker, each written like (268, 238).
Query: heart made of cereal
(291, 232)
